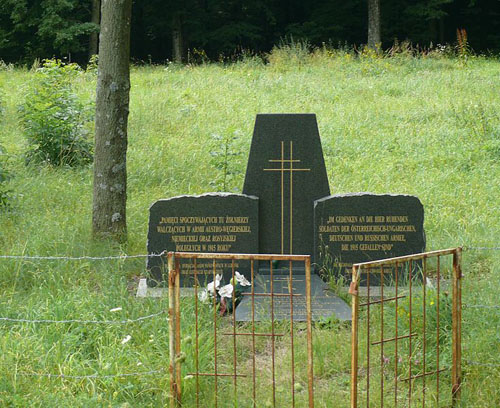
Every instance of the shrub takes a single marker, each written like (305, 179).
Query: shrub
(56, 122)
(290, 54)
(225, 157)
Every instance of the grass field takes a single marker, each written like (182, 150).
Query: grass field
(429, 127)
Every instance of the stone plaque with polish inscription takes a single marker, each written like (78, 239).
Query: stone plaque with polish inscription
(212, 222)
(362, 227)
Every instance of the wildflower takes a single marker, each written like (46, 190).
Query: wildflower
(116, 309)
(139, 363)
(211, 287)
(226, 291)
(126, 339)
(432, 302)
(385, 360)
(188, 377)
(241, 279)
(203, 295)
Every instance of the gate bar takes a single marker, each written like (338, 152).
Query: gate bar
(174, 320)
(357, 271)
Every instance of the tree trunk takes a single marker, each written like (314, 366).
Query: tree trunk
(374, 39)
(96, 19)
(441, 30)
(177, 42)
(112, 104)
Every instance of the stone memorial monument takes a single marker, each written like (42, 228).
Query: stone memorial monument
(285, 208)
(362, 227)
(212, 222)
(286, 170)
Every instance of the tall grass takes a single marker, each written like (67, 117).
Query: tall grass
(426, 126)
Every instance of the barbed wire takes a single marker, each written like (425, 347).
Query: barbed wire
(110, 322)
(469, 248)
(90, 376)
(98, 258)
(80, 258)
(478, 363)
(466, 306)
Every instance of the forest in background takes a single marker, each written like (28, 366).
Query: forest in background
(215, 29)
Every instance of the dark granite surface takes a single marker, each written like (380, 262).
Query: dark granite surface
(324, 303)
(212, 222)
(287, 172)
(362, 227)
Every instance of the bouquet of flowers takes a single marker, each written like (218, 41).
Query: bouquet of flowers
(224, 293)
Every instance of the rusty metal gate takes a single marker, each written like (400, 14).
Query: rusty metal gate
(406, 340)
(217, 362)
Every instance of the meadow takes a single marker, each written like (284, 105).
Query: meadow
(427, 126)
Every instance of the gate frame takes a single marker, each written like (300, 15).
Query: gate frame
(174, 314)
(456, 370)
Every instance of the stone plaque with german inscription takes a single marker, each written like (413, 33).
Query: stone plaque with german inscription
(362, 227)
(212, 222)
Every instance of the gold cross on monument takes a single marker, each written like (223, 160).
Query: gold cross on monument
(284, 169)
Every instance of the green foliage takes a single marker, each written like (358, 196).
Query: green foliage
(225, 156)
(431, 308)
(290, 53)
(55, 120)
(31, 29)
(4, 177)
(377, 135)
(4, 174)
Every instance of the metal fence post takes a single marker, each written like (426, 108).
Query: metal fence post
(353, 290)
(456, 373)
(177, 295)
(309, 333)
(174, 394)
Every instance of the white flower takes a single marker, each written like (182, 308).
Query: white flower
(126, 339)
(116, 309)
(203, 295)
(226, 291)
(210, 286)
(241, 279)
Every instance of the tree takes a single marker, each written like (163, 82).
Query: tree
(374, 39)
(95, 18)
(112, 107)
(32, 29)
(177, 38)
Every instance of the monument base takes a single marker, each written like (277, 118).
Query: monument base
(323, 301)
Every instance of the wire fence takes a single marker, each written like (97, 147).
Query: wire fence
(80, 258)
(83, 321)
(109, 322)
(161, 254)
(154, 315)
(90, 376)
